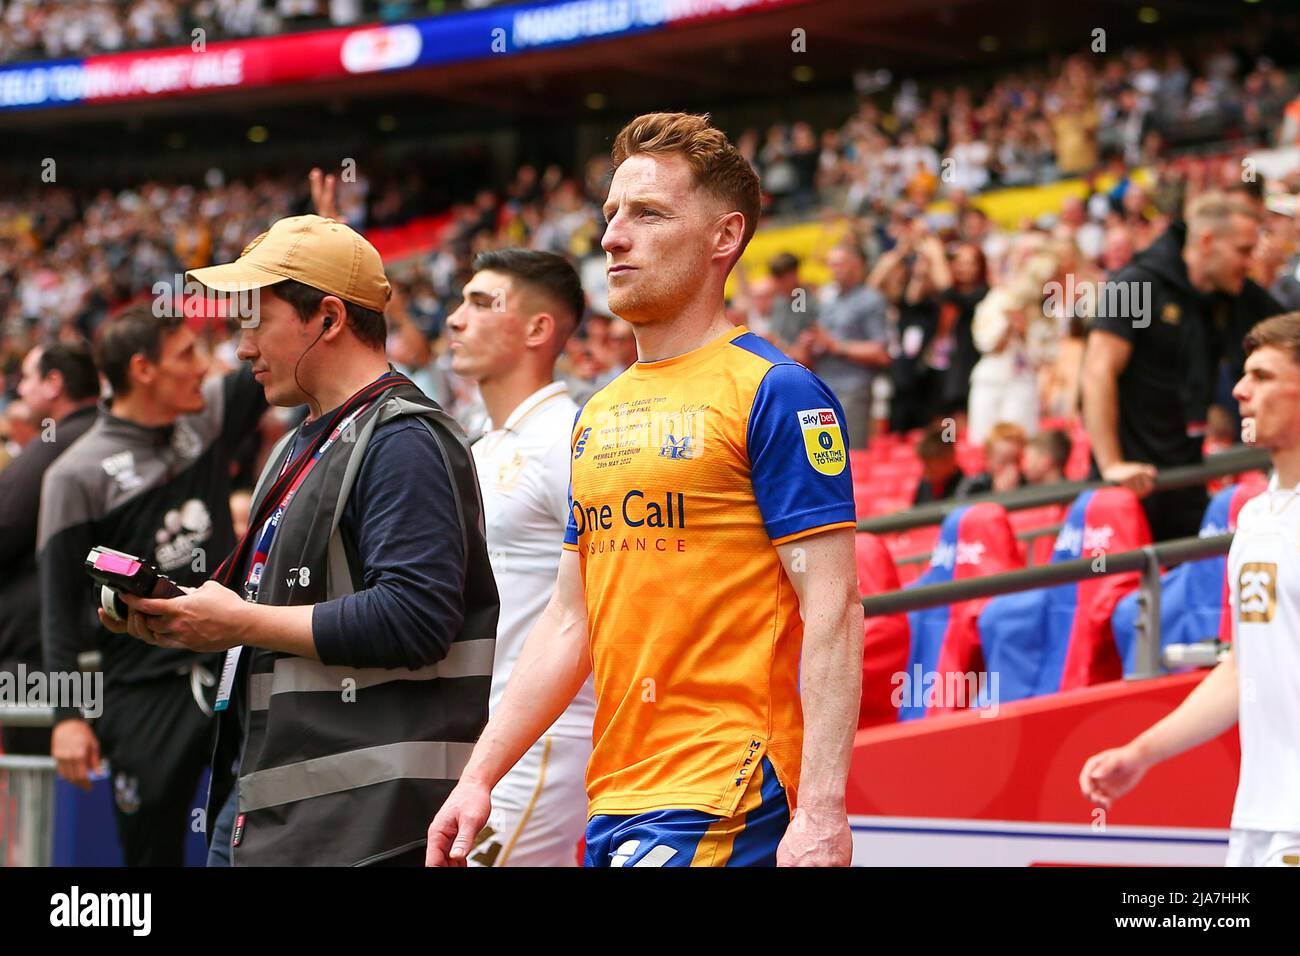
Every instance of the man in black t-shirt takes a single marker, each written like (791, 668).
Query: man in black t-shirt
(1165, 326)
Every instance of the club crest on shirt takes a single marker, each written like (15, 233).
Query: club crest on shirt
(676, 448)
(1257, 589)
(508, 472)
(823, 442)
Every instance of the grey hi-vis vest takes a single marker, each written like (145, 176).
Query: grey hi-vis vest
(345, 766)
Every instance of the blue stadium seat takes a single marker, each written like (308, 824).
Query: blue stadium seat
(1051, 639)
(1193, 596)
(973, 541)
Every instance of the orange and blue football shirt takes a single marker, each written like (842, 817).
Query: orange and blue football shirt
(686, 474)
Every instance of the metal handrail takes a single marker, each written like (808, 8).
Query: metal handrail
(1230, 462)
(26, 762)
(1029, 534)
(1045, 575)
(1148, 560)
(13, 715)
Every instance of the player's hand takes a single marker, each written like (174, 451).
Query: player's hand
(323, 193)
(1137, 476)
(75, 750)
(816, 838)
(454, 830)
(1109, 775)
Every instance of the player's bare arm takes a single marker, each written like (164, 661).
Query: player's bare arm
(1208, 711)
(823, 571)
(552, 667)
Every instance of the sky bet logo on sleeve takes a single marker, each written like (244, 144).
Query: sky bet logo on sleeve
(823, 441)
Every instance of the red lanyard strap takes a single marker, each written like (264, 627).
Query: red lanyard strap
(290, 476)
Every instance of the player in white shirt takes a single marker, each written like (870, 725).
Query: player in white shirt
(519, 309)
(1257, 685)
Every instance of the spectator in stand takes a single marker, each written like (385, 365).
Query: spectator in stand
(847, 345)
(20, 427)
(619, 353)
(1003, 450)
(1075, 225)
(1075, 128)
(1125, 124)
(957, 302)
(1015, 337)
(805, 157)
(753, 304)
(793, 308)
(1135, 215)
(907, 282)
(940, 474)
(970, 160)
(1144, 411)
(780, 178)
(1059, 381)
(1276, 265)
(1046, 456)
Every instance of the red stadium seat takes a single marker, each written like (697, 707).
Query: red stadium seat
(1115, 522)
(886, 639)
(1029, 519)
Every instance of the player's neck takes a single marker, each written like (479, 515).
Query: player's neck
(501, 396)
(1286, 463)
(654, 343)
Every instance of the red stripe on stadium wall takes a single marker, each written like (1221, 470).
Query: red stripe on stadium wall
(221, 66)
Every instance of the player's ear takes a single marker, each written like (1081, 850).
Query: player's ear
(729, 235)
(539, 328)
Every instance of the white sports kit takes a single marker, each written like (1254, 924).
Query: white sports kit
(1264, 583)
(539, 808)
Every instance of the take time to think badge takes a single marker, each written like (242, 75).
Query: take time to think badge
(823, 441)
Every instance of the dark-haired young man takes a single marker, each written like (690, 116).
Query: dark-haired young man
(518, 311)
(151, 477)
(360, 655)
(59, 384)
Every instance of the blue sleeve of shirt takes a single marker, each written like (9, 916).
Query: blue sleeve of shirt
(403, 526)
(571, 528)
(790, 426)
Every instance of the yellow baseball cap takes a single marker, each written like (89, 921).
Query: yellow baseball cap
(322, 253)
